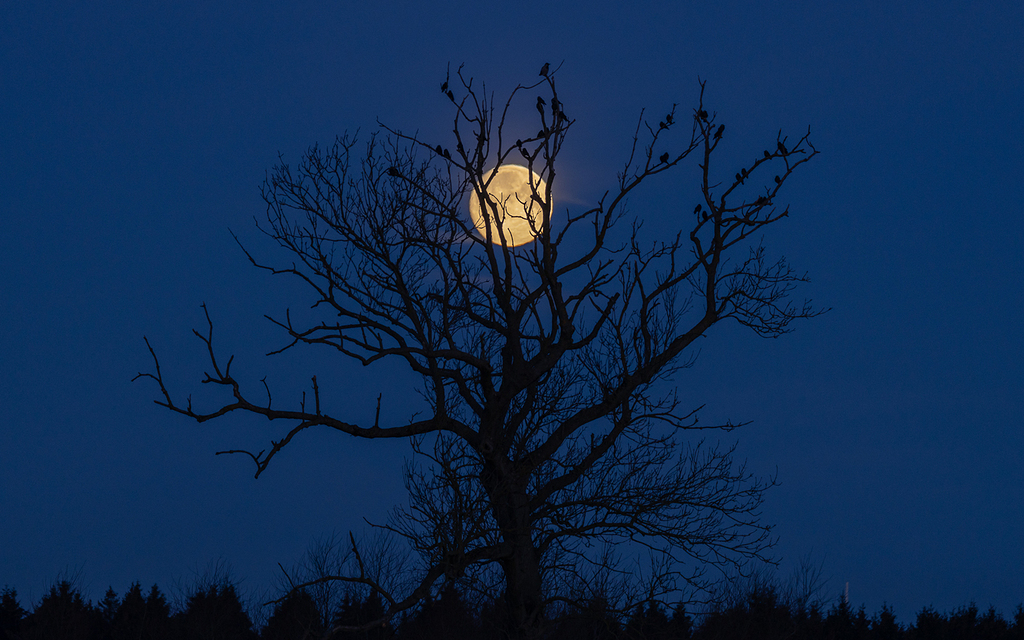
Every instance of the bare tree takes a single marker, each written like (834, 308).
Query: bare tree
(329, 557)
(555, 451)
(802, 591)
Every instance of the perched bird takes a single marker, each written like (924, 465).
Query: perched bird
(447, 155)
(782, 147)
(761, 200)
(554, 105)
(704, 215)
(393, 172)
(540, 104)
(542, 133)
(662, 125)
(703, 115)
(444, 86)
(721, 130)
(439, 150)
(739, 178)
(696, 209)
(544, 69)
(519, 143)
(451, 96)
(664, 158)
(744, 173)
(766, 154)
(778, 180)
(669, 118)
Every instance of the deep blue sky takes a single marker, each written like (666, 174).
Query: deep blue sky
(133, 135)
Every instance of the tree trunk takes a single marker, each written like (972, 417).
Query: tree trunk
(523, 597)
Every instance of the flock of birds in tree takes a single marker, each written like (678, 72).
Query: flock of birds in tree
(664, 124)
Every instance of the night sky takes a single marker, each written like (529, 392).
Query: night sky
(134, 137)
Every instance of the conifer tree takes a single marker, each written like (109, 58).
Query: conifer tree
(649, 623)
(214, 613)
(447, 616)
(681, 624)
(130, 617)
(11, 613)
(596, 619)
(963, 622)
(1017, 629)
(296, 617)
(930, 625)
(62, 614)
(884, 625)
(107, 607)
(354, 612)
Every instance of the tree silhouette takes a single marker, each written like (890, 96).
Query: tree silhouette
(11, 613)
(649, 623)
(760, 614)
(352, 619)
(991, 626)
(327, 558)
(62, 614)
(592, 619)
(843, 624)
(1017, 630)
(141, 618)
(884, 625)
(131, 620)
(809, 622)
(552, 432)
(930, 625)
(107, 608)
(158, 613)
(447, 616)
(214, 613)
(758, 609)
(963, 622)
(681, 624)
(296, 617)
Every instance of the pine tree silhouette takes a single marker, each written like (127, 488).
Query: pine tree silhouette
(884, 625)
(681, 624)
(11, 613)
(593, 622)
(445, 617)
(1017, 630)
(107, 608)
(141, 618)
(355, 612)
(61, 615)
(963, 622)
(992, 626)
(649, 623)
(214, 613)
(294, 618)
(808, 622)
(930, 625)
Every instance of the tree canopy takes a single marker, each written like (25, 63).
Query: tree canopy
(553, 434)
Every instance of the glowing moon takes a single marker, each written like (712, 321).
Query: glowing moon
(510, 191)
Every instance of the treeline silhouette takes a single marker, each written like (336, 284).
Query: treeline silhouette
(214, 611)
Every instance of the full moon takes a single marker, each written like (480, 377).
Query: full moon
(510, 190)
